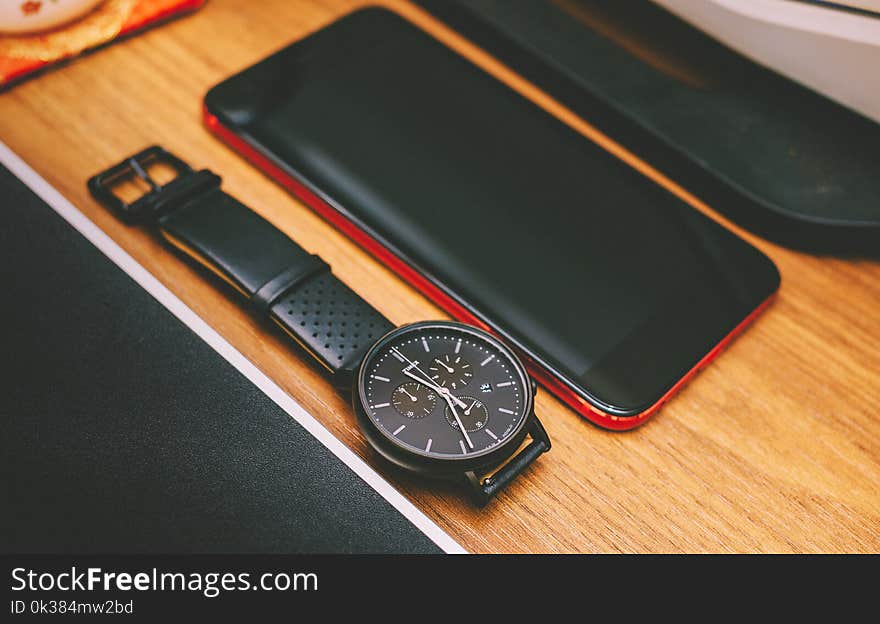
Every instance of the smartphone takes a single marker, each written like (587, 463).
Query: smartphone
(613, 289)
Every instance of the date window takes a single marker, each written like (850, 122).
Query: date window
(485, 388)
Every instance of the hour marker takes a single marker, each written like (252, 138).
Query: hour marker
(425, 344)
(380, 378)
(504, 410)
(428, 447)
(458, 346)
(487, 360)
(491, 435)
(388, 404)
(397, 355)
(399, 429)
(463, 449)
(503, 384)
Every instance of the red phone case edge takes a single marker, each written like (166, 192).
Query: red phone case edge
(556, 386)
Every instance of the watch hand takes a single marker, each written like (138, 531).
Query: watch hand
(460, 426)
(426, 382)
(467, 412)
(406, 392)
(448, 397)
(427, 379)
(444, 392)
(449, 369)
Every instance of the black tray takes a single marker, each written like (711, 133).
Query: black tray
(772, 155)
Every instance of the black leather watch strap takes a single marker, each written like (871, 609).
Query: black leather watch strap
(283, 282)
(485, 489)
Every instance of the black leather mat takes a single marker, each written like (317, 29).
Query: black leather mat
(122, 431)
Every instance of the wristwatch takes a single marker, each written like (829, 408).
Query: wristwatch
(442, 399)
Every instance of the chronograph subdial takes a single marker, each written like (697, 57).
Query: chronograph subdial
(413, 400)
(474, 417)
(450, 371)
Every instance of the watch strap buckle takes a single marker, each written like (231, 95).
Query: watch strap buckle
(160, 198)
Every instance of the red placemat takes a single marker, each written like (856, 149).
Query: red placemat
(22, 55)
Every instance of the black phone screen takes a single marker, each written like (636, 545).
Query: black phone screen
(593, 270)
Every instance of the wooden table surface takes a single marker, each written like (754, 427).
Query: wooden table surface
(774, 447)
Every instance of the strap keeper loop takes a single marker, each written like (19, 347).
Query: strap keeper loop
(268, 293)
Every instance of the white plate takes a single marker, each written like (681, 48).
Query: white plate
(25, 16)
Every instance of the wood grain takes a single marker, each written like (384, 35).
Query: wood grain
(774, 447)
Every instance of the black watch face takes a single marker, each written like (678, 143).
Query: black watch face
(444, 390)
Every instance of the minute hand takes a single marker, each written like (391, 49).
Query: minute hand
(460, 424)
(449, 397)
(443, 392)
